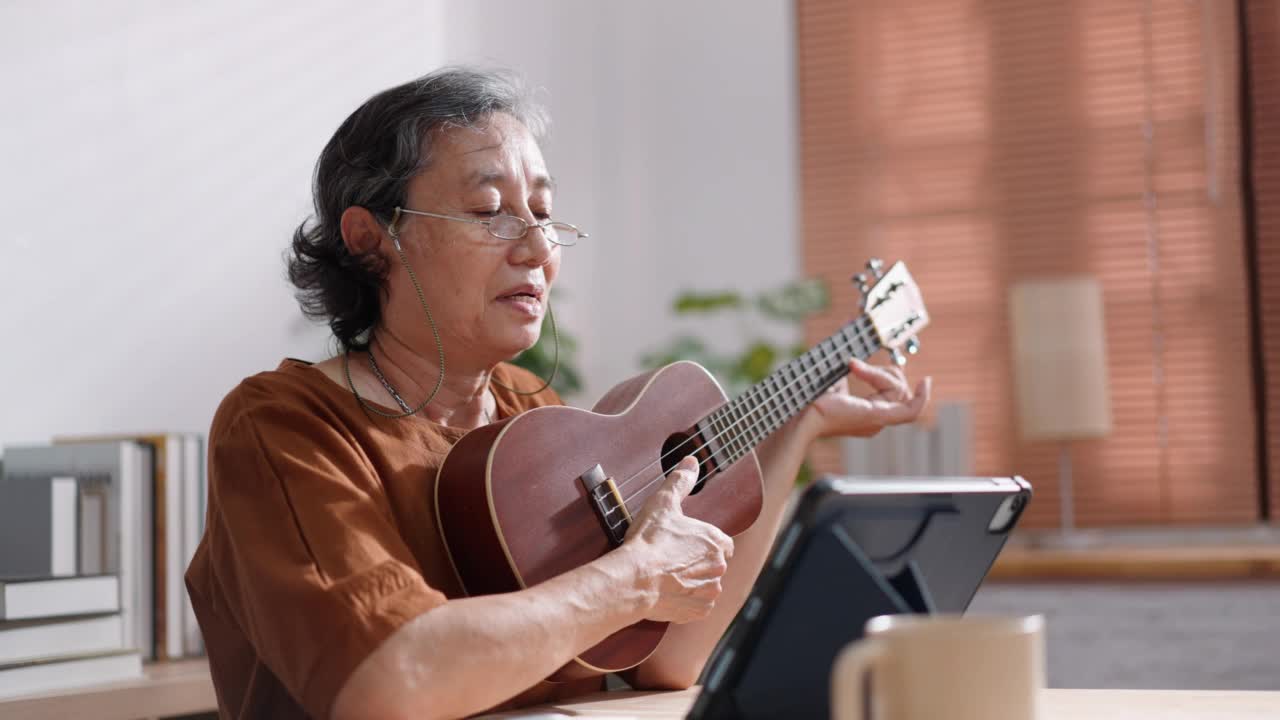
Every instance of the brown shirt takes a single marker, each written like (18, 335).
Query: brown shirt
(321, 538)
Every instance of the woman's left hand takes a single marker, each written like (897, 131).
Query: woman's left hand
(892, 402)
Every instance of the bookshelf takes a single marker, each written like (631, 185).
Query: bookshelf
(166, 689)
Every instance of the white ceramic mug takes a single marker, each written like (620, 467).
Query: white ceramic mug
(942, 667)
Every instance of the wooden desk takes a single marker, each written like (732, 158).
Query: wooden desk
(181, 687)
(1058, 705)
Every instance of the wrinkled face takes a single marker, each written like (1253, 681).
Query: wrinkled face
(487, 295)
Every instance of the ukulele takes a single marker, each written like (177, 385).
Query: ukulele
(529, 497)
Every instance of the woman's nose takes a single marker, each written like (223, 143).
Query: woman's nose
(535, 248)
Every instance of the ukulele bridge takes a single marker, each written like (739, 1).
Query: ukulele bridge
(607, 503)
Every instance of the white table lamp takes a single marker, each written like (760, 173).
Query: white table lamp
(1060, 364)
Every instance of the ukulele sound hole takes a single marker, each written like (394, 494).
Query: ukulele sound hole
(679, 446)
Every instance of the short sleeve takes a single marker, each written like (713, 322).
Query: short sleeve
(306, 549)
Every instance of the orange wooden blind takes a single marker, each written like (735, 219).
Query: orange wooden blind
(1263, 23)
(991, 141)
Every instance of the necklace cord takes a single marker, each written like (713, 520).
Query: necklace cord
(435, 333)
(555, 360)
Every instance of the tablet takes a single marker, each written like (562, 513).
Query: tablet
(854, 548)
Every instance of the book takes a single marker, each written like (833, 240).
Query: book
(27, 640)
(167, 559)
(39, 676)
(193, 506)
(27, 598)
(63, 530)
(121, 473)
(38, 533)
(92, 556)
(954, 439)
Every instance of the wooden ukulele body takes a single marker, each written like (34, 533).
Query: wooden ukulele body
(513, 511)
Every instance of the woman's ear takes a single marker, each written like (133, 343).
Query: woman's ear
(360, 230)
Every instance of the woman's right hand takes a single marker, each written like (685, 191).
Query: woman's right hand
(679, 560)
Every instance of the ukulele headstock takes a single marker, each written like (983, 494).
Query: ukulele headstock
(895, 307)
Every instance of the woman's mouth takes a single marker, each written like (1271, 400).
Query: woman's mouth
(524, 303)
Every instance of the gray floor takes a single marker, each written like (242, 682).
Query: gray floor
(1195, 636)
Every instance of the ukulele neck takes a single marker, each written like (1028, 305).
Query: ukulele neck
(735, 429)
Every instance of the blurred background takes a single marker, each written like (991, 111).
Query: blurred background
(1087, 193)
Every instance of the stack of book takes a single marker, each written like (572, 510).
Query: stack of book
(127, 511)
(58, 632)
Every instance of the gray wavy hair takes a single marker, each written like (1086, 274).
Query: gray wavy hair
(369, 162)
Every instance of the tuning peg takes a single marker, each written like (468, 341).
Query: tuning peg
(861, 281)
(875, 265)
(898, 358)
(913, 346)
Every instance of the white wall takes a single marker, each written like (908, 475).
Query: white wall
(154, 159)
(156, 156)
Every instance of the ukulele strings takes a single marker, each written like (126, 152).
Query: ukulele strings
(716, 455)
(754, 425)
(866, 341)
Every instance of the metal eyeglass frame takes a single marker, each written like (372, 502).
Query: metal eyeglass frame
(552, 224)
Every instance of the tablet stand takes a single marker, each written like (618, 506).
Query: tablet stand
(777, 663)
(910, 584)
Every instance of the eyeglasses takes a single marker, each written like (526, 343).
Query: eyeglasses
(510, 227)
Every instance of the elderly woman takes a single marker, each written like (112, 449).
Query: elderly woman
(322, 586)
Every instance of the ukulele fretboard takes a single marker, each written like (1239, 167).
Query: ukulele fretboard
(741, 424)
